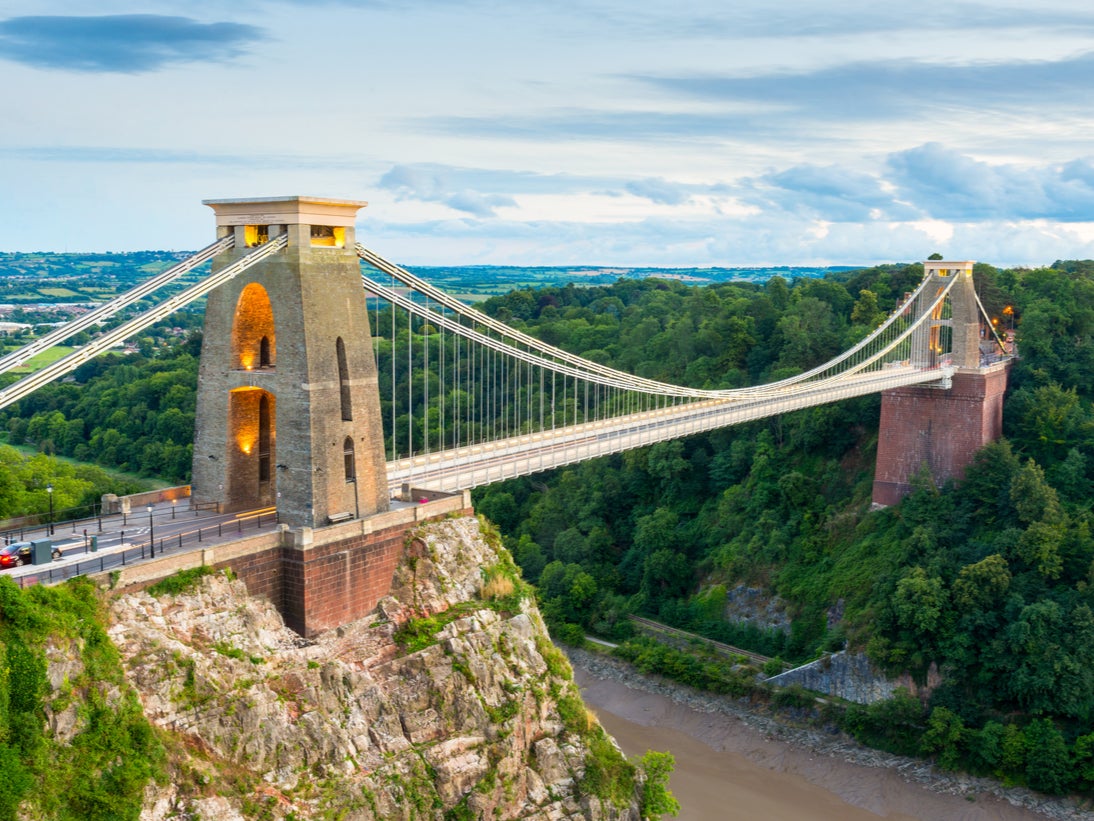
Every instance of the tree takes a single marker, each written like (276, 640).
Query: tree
(919, 601)
(867, 311)
(656, 798)
(1033, 498)
(1048, 764)
(981, 585)
(944, 737)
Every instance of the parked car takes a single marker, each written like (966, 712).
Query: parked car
(15, 554)
(18, 553)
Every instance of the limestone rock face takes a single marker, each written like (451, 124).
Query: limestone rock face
(444, 705)
(853, 677)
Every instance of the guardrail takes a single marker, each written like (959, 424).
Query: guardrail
(164, 546)
(16, 526)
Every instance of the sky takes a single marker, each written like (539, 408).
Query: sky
(607, 132)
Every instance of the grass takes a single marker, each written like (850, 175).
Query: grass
(180, 582)
(47, 357)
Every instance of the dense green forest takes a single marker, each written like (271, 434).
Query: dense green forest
(989, 581)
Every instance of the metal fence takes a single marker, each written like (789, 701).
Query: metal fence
(13, 529)
(166, 546)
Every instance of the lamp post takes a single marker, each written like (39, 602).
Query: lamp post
(49, 492)
(151, 533)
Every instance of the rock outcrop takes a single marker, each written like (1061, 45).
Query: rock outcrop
(450, 703)
(851, 676)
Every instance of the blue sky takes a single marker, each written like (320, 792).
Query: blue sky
(555, 133)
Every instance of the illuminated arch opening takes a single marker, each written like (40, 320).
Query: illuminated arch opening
(329, 236)
(252, 442)
(253, 338)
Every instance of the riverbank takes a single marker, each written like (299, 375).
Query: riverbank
(732, 763)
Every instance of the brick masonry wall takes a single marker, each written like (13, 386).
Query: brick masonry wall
(940, 428)
(335, 583)
(318, 580)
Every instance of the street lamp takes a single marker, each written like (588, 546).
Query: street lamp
(151, 532)
(49, 492)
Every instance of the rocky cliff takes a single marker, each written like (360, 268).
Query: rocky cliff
(451, 703)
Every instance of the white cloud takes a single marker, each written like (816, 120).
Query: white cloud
(563, 132)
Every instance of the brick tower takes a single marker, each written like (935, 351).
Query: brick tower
(935, 426)
(288, 410)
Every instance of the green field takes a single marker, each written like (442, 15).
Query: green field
(44, 358)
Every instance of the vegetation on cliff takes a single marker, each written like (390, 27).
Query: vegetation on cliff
(74, 743)
(451, 704)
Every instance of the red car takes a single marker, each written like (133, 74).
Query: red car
(18, 553)
(15, 554)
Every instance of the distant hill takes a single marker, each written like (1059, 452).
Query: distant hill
(68, 277)
(488, 280)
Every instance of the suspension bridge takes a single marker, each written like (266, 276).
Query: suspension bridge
(305, 326)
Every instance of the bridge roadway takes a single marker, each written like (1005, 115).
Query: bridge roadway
(125, 539)
(489, 462)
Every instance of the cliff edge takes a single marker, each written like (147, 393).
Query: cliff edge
(450, 703)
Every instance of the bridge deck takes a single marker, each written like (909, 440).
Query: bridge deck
(490, 462)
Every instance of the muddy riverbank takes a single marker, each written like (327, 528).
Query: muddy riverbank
(735, 764)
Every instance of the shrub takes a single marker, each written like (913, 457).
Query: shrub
(608, 774)
(498, 587)
(180, 582)
(657, 800)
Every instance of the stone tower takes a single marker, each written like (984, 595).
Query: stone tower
(941, 427)
(288, 409)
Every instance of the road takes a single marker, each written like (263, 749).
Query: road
(124, 539)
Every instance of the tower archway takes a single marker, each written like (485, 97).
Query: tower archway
(252, 437)
(253, 336)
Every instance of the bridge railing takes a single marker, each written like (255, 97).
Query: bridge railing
(163, 546)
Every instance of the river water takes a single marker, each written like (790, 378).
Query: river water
(727, 770)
